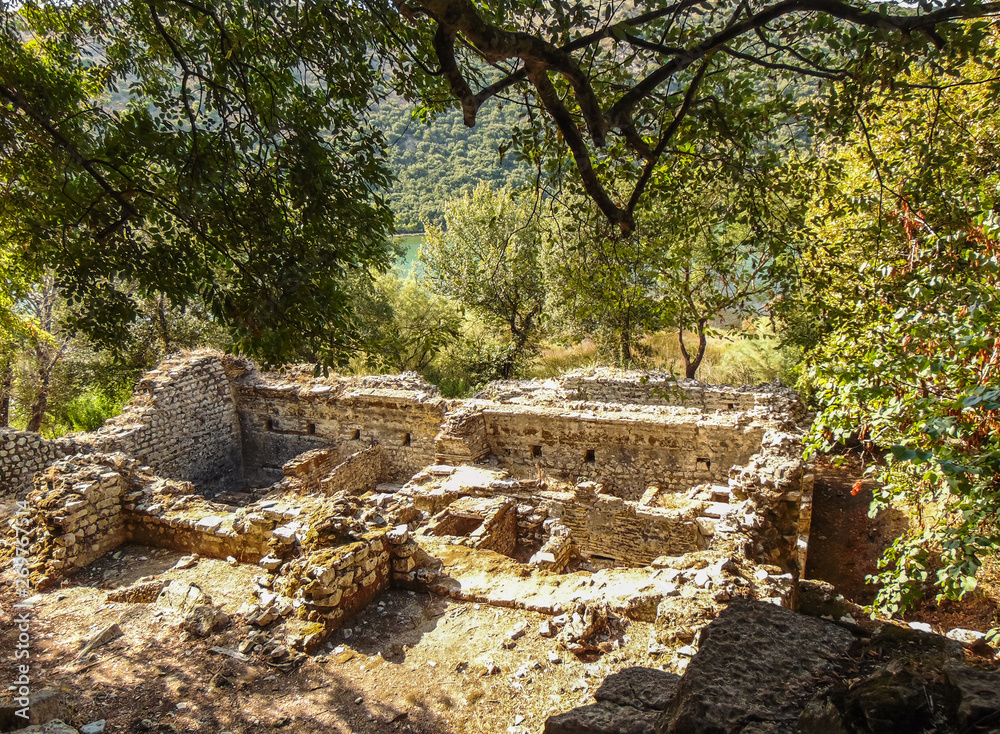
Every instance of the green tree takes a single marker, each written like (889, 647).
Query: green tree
(616, 83)
(601, 284)
(487, 257)
(721, 235)
(409, 324)
(240, 172)
(916, 226)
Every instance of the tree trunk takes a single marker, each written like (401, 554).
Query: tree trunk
(161, 322)
(691, 365)
(6, 384)
(625, 348)
(40, 405)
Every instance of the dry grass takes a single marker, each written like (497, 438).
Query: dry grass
(446, 701)
(475, 695)
(415, 697)
(556, 359)
(731, 358)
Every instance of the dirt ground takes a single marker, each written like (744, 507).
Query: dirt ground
(409, 663)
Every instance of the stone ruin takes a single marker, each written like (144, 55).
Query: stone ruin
(339, 487)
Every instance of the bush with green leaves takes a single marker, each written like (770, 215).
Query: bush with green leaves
(903, 289)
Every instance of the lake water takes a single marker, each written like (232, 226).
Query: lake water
(412, 243)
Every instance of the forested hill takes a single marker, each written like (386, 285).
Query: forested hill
(437, 162)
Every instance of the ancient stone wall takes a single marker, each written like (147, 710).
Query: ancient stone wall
(642, 388)
(599, 524)
(310, 467)
(462, 439)
(650, 388)
(331, 583)
(76, 514)
(483, 523)
(181, 422)
(22, 454)
(626, 452)
(357, 474)
(281, 419)
(775, 488)
(163, 514)
(609, 527)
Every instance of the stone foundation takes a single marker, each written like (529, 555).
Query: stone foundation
(592, 470)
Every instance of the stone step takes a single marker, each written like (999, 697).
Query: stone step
(721, 493)
(717, 510)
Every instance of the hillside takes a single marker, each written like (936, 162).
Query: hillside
(438, 161)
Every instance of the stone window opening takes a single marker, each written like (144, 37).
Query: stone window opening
(703, 465)
(730, 406)
(268, 424)
(356, 435)
(310, 429)
(536, 452)
(407, 441)
(590, 457)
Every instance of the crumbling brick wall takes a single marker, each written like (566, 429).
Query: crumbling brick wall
(357, 474)
(641, 388)
(625, 452)
(76, 514)
(181, 422)
(22, 454)
(310, 467)
(282, 416)
(163, 513)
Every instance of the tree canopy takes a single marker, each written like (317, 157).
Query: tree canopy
(628, 86)
(240, 173)
(244, 173)
(907, 255)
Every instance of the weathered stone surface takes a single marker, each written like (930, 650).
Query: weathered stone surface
(645, 688)
(43, 706)
(603, 718)
(978, 696)
(103, 637)
(181, 597)
(203, 620)
(52, 727)
(756, 662)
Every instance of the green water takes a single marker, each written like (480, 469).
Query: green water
(412, 243)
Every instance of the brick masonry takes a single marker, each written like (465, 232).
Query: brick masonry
(627, 468)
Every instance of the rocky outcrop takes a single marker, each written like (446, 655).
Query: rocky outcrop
(631, 702)
(761, 668)
(757, 663)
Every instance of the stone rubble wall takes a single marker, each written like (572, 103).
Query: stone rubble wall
(310, 467)
(646, 388)
(610, 527)
(359, 473)
(163, 513)
(22, 454)
(462, 438)
(599, 524)
(774, 489)
(181, 422)
(556, 552)
(325, 585)
(625, 453)
(281, 419)
(498, 523)
(76, 514)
